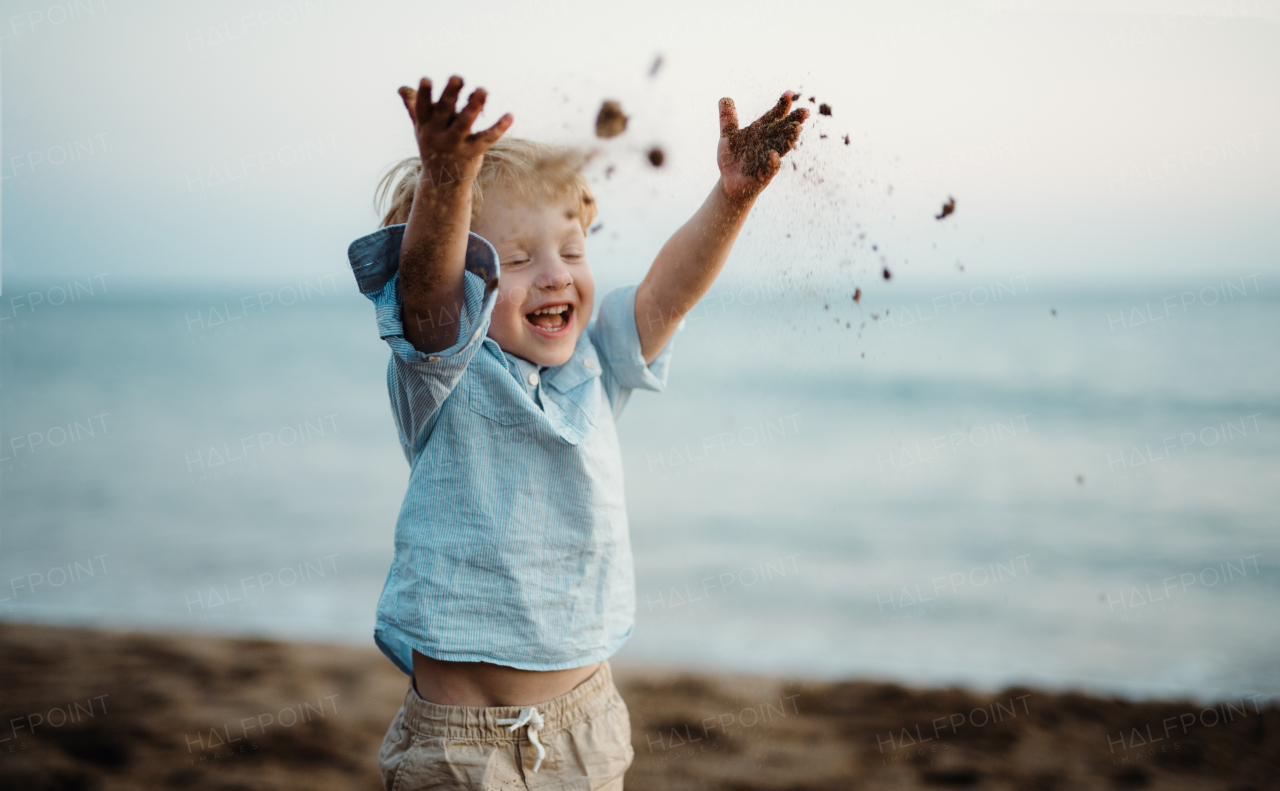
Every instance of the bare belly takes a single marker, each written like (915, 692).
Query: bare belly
(484, 684)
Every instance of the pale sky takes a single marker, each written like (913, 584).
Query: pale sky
(1091, 143)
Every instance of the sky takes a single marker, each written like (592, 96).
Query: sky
(174, 146)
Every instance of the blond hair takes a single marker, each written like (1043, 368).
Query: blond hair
(532, 170)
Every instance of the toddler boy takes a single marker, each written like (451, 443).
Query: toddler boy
(512, 581)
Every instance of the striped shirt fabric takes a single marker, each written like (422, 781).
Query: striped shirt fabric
(512, 544)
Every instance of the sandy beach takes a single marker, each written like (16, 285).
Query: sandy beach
(89, 709)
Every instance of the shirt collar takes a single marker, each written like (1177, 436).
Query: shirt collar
(521, 368)
(583, 365)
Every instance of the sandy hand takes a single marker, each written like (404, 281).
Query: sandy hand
(451, 152)
(749, 158)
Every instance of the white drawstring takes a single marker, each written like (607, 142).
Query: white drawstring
(532, 719)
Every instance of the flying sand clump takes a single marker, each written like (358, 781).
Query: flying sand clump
(611, 121)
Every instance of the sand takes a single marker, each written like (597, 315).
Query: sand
(610, 121)
(776, 130)
(114, 710)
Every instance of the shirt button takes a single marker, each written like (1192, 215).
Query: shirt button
(533, 379)
(433, 359)
(589, 363)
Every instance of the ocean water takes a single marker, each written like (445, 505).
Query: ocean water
(1067, 490)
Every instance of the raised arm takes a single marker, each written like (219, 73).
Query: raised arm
(688, 263)
(434, 248)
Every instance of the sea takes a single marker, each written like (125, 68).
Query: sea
(987, 484)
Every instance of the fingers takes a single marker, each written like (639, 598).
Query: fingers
(780, 109)
(449, 128)
(448, 99)
(410, 97)
(728, 117)
(422, 102)
(461, 126)
(793, 121)
(490, 136)
(770, 170)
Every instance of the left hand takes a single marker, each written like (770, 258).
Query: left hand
(749, 158)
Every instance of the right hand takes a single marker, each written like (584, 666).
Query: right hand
(771, 136)
(451, 153)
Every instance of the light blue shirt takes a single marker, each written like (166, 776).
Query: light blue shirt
(512, 544)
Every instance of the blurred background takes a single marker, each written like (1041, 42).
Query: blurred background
(1040, 447)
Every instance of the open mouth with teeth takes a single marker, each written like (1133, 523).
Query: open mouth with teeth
(551, 319)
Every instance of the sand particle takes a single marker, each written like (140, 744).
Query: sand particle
(611, 121)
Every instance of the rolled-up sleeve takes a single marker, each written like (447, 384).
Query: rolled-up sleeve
(617, 340)
(472, 323)
(418, 382)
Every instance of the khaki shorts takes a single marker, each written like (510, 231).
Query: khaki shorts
(586, 733)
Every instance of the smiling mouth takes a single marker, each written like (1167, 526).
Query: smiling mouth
(552, 318)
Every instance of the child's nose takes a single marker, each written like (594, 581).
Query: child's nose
(555, 277)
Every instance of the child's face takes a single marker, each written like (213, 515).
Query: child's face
(545, 289)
